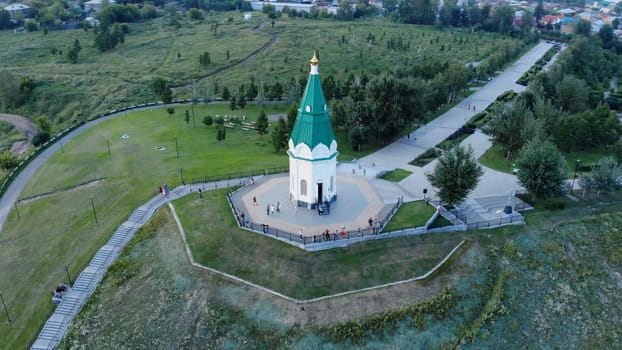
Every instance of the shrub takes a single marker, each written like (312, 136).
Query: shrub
(554, 204)
(40, 138)
(208, 120)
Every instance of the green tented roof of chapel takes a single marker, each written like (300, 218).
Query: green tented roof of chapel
(313, 125)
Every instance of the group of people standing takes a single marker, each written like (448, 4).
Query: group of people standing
(163, 189)
(272, 208)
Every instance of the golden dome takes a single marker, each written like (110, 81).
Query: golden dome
(314, 60)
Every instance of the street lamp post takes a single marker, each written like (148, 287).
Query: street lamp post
(94, 212)
(6, 311)
(576, 167)
(68, 276)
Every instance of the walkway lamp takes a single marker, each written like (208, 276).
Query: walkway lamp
(6, 311)
(576, 168)
(94, 212)
(68, 276)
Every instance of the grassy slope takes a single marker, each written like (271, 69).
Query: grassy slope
(59, 229)
(548, 284)
(286, 269)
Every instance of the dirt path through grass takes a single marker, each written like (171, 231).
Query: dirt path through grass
(254, 54)
(23, 124)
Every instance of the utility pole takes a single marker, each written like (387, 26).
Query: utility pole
(94, 212)
(6, 311)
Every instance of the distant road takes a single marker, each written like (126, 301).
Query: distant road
(21, 123)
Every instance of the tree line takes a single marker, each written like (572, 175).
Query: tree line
(563, 109)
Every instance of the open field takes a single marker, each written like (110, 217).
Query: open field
(103, 81)
(552, 283)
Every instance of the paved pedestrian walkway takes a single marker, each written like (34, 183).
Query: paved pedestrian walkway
(56, 326)
(400, 153)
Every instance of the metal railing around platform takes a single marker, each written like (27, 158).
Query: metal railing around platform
(374, 229)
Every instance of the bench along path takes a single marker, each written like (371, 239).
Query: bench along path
(56, 326)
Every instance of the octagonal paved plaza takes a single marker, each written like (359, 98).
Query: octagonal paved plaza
(357, 201)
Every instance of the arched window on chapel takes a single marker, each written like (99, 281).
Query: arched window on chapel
(303, 187)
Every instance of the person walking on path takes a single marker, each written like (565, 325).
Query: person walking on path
(255, 201)
(268, 209)
(278, 207)
(272, 209)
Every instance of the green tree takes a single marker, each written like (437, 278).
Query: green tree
(251, 92)
(187, 117)
(226, 95)
(108, 38)
(195, 14)
(149, 11)
(280, 135)
(170, 111)
(606, 176)
(292, 113)
(31, 25)
(208, 120)
(5, 19)
(220, 133)
(546, 112)
(572, 94)
(72, 55)
(43, 123)
(232, 103)
(387, 106)
(607, 36)
(220, 121)
(8, 160)
(583, 27)
(162, 89)
(204, 59)
(507, 123)
(262, 123)
(241, 97)
(40, 138)
(456, 175)
(542, 169)
(539, 11)
(10, 90)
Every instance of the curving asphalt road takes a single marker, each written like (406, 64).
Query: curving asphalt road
(7, 201)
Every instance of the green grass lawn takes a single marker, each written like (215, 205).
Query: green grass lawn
(411, 214)
(396, 175)
(553, 267)
(59, 230)
(494, 158)
(120, 77)
(216, 242)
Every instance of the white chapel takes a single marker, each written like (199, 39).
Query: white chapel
(313, 148)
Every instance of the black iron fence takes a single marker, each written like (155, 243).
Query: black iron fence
(374, 229)
(236, 176)
(496, 222)
(459, 218)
